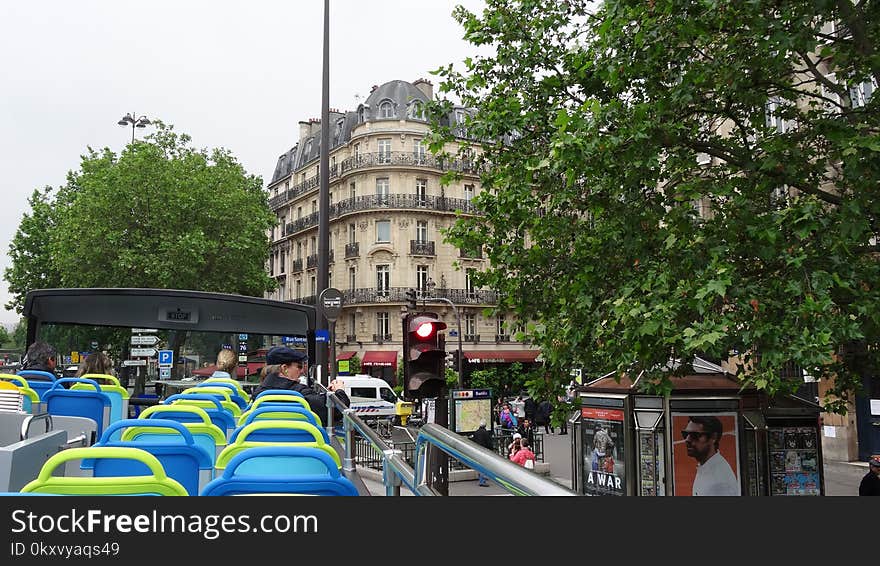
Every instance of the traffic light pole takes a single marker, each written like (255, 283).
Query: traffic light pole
(458, 324)
(439, 458)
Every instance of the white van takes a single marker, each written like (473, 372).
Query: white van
(372, 397)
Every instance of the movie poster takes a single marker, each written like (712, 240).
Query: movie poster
(794, 461)
(604, 463)
(705, 454)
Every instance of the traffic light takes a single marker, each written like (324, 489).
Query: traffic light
(411, 299)
(423, 355)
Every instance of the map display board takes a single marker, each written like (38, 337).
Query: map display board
(469, 407)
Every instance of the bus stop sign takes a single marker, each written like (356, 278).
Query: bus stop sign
(331, 301)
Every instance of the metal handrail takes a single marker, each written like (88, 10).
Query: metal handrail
(511, 477)
(26, 424)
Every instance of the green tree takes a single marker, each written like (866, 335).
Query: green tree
(162, 214)
(680, 178)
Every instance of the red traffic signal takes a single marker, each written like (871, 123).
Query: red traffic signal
(424, 354)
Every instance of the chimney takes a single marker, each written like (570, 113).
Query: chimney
(304, 129)
(426, 87)
(314, 125)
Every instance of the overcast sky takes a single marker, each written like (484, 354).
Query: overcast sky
(232, 74)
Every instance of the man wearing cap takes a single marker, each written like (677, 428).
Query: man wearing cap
(291, 365)
(871, 482)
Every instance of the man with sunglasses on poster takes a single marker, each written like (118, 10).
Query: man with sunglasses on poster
(702, 436)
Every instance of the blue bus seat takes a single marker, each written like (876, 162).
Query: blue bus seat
(93, 405)
(39, 385)
(316, 474)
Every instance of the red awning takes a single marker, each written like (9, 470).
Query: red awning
(345, 355)
(501, 356)
(387, 358)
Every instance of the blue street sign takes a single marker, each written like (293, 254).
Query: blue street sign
(322, 335)
(166, 358)
(242, 336)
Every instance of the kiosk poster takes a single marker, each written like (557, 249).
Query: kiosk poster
(705, 458)
(794, 461)
(604, 463)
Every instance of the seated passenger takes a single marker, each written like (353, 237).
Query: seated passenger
(291, 365)
(42, 357)
(226, 364)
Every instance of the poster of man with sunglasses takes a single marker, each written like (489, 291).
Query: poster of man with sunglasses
(705, 456)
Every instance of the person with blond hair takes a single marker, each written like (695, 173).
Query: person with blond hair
(226, 363)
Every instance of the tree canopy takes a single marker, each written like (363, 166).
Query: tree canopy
(668, 179)
(162, 214)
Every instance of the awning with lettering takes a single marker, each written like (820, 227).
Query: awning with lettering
(386, 358)
(501, 356)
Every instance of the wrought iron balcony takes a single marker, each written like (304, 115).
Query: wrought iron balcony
(502, 337)
(380, 338)
(368, 160)
(297, 265)
(383, 202)
(475, 338)
(352, 250)
(471, 254)
(419, 247)
(351, 338)
(398, 295)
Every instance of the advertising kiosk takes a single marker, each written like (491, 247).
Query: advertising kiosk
(708, 437)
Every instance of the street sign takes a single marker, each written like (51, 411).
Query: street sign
(166, 358)
(143, 330)
(322, 335)
(148, 340)
(74, 357)
(164, 373)
(94, 344)
(143, 352)
(331, 301)
(130, 363)
(242, 358)
(242, 336)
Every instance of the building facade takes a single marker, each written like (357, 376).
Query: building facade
(388, 211)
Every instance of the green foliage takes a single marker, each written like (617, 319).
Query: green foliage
(162, 214)
(589, 213)
(354, 364)
(504, 381)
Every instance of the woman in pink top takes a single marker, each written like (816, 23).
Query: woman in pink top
(524, 454)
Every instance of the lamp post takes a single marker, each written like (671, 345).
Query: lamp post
(129, 118)
(430, 285)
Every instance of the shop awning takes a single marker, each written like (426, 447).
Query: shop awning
(345, 356)
(500, 356)
(387, 358)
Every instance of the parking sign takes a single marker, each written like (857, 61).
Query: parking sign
(166, 358)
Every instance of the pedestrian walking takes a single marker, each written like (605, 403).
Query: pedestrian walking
(870, 484)
(483, 437)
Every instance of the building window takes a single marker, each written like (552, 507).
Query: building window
(417, 110)
(386, 109)
(419, 153)
(468, 193)
(352, 274)
(299, 212)
(314, 285)
(352, 190)
(422, 278)
(384, 147)
(469, 282)
(470, 324)
(422, 231)
(382, 326)
(357, 151)
(860, 94)
(421, 192)
(773, 115)
(314, 206)
(299, 289)
(383, 280)
(501, 326)
(383, 231)
(352, 233)
(272, 264)
(352, 325)
(383, 187)
(281, 293)
(283, 261)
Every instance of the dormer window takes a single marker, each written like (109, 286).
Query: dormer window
(417, 110)
(308, 151)
(386, 109)
(339, 125)
(361, 115)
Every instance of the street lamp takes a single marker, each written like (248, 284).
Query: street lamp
(129, 118)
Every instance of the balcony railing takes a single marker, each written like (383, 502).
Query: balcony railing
(379, 338)
(419, 247)
(351, 338)
(367, 160)
(297, 265)
(471, 254)
(398, 295)
(475, 338)
(502, 337)
(352, 250)
(312, 261)
(383, 202)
